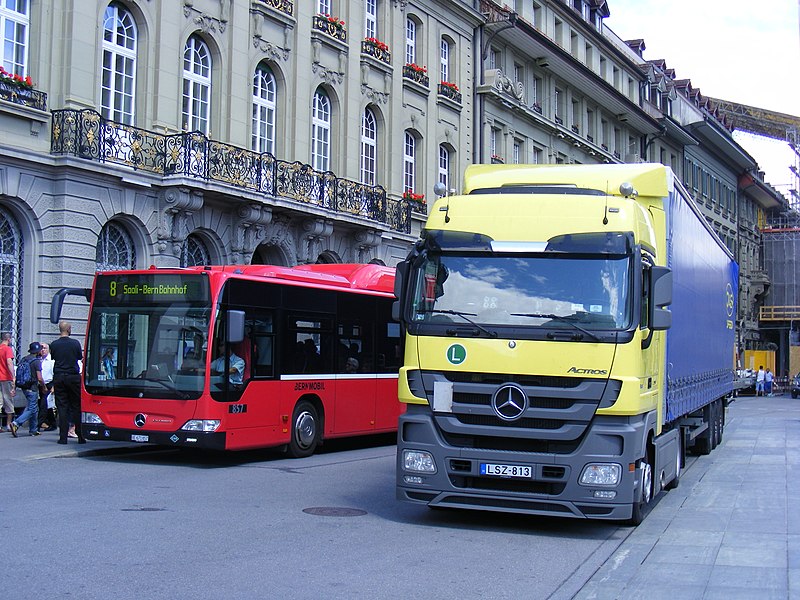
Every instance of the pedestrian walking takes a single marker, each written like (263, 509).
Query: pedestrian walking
(768, 379)
(7, 388)
(29, 380)
(66, 352)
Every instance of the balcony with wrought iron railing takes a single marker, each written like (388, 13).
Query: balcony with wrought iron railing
(87, 135)
(22, 95)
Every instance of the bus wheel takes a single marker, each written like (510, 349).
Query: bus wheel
(305, 430)
(646, 484)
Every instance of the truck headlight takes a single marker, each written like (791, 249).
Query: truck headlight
(205, 425)
(418, 461)
(91, 418)
(601, 474)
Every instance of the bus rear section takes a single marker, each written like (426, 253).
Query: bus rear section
(241, 358)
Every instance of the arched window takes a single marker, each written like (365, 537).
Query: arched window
(115, 249)
(411, 41)
(196, 85)
(444, 166)
(194, 252)
(321, 131)
(11, 257)
(369, 139)
(409, 162)
(14, 24)
(264, 100)
(119, 65)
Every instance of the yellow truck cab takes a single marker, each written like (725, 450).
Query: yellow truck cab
(568, 336)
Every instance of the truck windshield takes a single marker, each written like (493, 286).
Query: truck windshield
(561, 291)
(147, 336)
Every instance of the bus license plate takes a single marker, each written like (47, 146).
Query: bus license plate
(139, 438)
(513, 471)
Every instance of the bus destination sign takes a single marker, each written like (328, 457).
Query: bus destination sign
(151, 288)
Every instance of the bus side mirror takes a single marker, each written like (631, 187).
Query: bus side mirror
(234, 327)
(57, 303)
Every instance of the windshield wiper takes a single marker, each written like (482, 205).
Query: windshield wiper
(466, 317)
(168, 384)
(569, 320)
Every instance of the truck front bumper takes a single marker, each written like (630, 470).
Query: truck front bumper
(553, 487)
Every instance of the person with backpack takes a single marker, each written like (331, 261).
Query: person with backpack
(29, 380)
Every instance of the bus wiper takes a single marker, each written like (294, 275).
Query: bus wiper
(466, 317)
(168, 384)
(569, 320)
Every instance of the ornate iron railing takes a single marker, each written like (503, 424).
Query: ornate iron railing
(333, 28)
(23, 96)
(285, 6)
(86, 134)
(416, 74)
(378, 52)
(448, 91)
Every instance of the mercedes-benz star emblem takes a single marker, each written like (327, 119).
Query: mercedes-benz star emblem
(510, 402)
(140, 420)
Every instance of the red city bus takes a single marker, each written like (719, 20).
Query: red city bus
(240, 357)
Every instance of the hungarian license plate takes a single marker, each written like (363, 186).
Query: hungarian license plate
(139, 438)
(513, 471)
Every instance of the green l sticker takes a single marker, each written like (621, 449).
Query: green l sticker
(456, 354)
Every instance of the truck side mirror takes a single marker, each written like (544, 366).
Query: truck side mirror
(662, 319)
(661, 278)
(400, 275)
(661, 296)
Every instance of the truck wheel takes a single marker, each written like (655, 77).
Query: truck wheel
(646, 485)
(305, 430)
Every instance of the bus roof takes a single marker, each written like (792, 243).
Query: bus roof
(356, 276)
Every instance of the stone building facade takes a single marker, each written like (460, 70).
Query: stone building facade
(175, 133)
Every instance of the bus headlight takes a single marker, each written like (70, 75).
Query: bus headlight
(601, 474)
(92, 418)
(418, 461)
(204, 425)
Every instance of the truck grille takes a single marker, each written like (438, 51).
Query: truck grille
(559, 410)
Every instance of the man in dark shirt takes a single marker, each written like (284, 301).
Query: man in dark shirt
(66, 352)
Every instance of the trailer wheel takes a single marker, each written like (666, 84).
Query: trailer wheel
(305, 430)
(714, 424)
(646, 485)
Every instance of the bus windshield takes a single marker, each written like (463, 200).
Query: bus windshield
(593, 291)
(147, 336)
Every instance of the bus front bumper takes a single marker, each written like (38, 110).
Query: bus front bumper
(185, 439)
